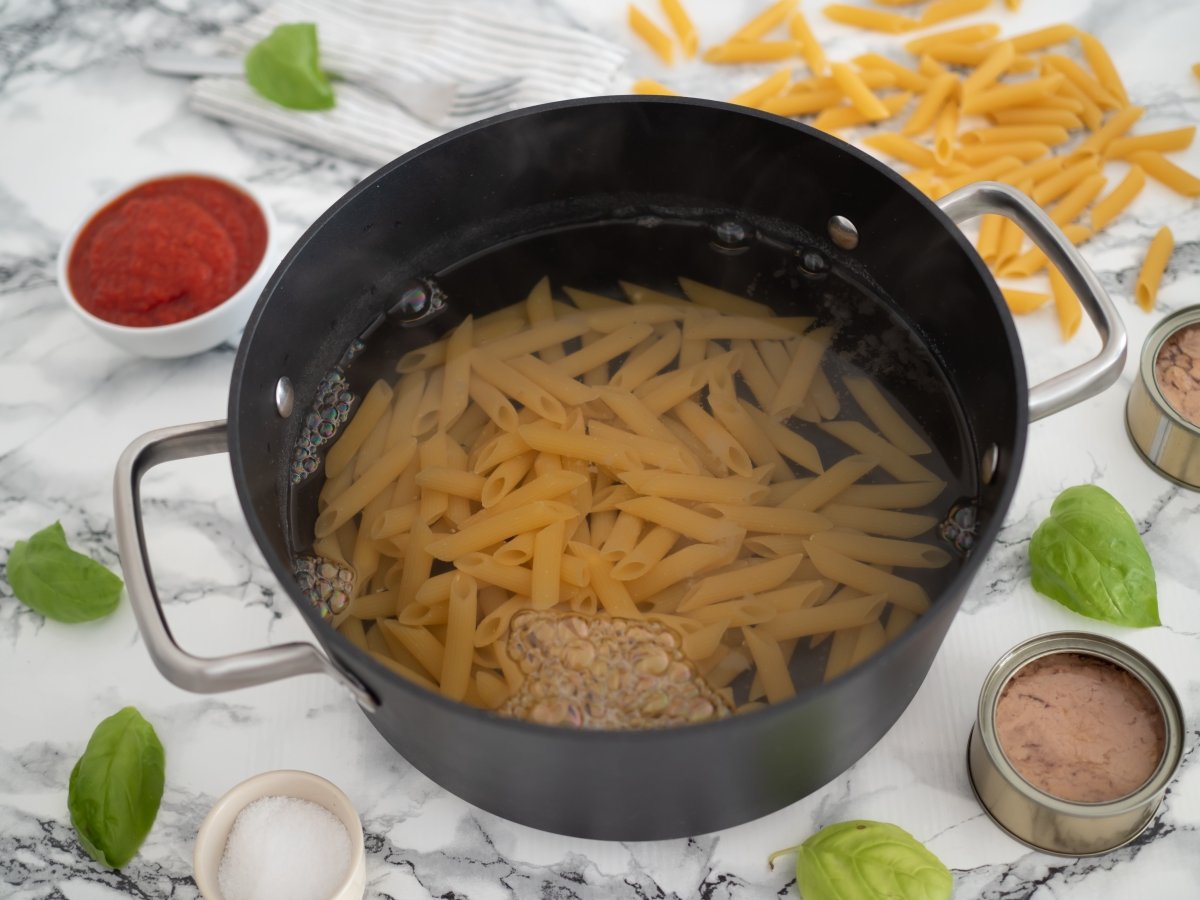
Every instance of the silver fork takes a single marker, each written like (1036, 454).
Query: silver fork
(431, 102)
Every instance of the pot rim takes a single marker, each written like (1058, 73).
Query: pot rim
(958, 585)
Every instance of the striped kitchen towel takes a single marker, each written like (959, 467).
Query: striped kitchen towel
(375, 48)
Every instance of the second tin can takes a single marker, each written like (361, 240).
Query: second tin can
(1048, 822)
(1162, 434)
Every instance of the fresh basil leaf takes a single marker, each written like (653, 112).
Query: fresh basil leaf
(285, 68)
(1089, 557)
(50, 577)
(116, 787)
(864, 860)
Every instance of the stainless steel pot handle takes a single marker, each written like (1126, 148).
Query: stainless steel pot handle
(193, 673)
(1102, 370)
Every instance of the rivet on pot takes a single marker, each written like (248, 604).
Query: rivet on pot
(813, 264)
(729, 237)
(285, 396)
(989, 463)
(843, 233)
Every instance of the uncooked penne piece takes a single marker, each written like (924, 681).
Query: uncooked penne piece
(883, 551)
(1109, 206)
(564, 389)
(343, 507)
(376, 402)
(751, 51)
(448, 481)
(825, 618)
(460, 638)
(892, 496)
(884, 522)
(940, 90)
(679, 566)
(752, 579)
(771, 665)
(612, 594)
(1066, 305)
(891, 458)
(654, 545)
(1118, 123)
(546, 567)
(1102, 65)
(858, 93)
(830, 483)
(698, 488)
(1166, 172)
(512, 383)
(763, 90)
(774, 520)
(681, 24)
(941, 10)
(810, 48)
(989, 71)
(867, 578)
(796, 381)
(456, 379)
(603, 350)
(678, 518)
(870, 19)
(723, 301)
(656, 39)
(1077, 200)
(635, 414)
(647, 363)
(545, 437)
(884, 415)
(658, 454)
(499, 528)
(492, 401)
(1020, 93)
(488, 570)
(732, 415)
(1159, 141)
(495, 624)
(1150, 275)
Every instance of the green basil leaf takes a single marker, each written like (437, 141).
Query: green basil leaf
(50, 577)
(285, 68)
(116, 787)
(1089, 557)
(864, 860)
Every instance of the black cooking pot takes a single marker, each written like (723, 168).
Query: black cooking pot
(596, 168)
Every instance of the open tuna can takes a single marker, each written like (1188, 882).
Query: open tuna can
(1075, 741)
(1163, 412)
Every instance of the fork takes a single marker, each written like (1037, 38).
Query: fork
(431, 102)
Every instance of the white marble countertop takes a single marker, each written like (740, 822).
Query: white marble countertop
(79, 117)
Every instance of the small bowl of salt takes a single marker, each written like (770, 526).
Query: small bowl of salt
(281, 834)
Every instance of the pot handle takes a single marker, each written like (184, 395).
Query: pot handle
(205, 675)
(1102, 370)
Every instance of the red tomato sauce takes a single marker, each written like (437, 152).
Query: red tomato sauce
(166, 251)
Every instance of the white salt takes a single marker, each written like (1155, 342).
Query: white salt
(284, 847)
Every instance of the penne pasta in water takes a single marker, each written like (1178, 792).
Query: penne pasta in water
(686, 461)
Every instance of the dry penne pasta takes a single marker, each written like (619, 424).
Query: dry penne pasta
(1151, 272)
(644, 460)
(1166, 172)
(681, 24)
(1108, 207)
(871, 19)
(656, 39)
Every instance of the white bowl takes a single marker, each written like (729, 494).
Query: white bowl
(214, 830)
(194, 335)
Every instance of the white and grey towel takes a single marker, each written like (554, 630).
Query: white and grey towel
(376, 47)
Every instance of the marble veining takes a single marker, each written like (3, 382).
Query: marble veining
(79, 117)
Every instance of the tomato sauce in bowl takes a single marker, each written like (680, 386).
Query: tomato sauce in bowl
(166, 251)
